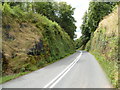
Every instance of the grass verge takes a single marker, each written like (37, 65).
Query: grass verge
(4, 79)
(10, 77)
(110, 67)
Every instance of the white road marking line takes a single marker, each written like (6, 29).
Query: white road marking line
(62, 74)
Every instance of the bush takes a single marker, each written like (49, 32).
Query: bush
(88, 45)
(41, 63)
(7, 9)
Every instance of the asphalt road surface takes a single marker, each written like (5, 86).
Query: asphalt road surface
(79, 70)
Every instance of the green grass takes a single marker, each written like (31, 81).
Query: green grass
(4, 79)
(10, 77)
(110, 67)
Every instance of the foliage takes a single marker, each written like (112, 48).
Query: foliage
(57, 12)
(104, 45)
(43, 41)
(65, 18)
(109, 66)
(100, 36)
(91, 19)
(10, 77)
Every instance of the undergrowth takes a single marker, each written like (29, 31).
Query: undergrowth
(30, 42)
(109, 66)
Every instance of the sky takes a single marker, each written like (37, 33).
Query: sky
(81, 7)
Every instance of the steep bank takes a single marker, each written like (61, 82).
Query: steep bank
(31, 41)
(104, 45)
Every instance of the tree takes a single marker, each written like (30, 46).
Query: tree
(91, 19)
(66, 20)
(60, 13)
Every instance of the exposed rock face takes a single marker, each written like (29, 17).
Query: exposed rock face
(29, 45)
(105, 38)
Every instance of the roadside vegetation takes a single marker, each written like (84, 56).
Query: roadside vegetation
(100, 36)
(91, 19)
(31, 39)
(10, 77)
(109, 66)
(36, 34)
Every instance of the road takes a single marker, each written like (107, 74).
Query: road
(79, 70)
